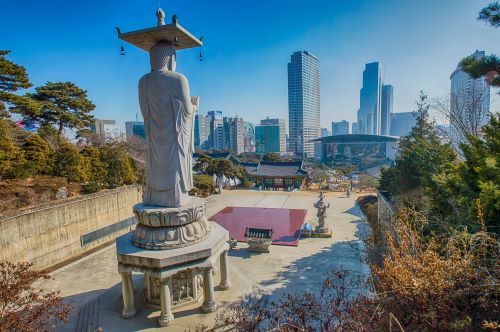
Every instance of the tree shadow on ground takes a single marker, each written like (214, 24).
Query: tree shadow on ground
(307, 273)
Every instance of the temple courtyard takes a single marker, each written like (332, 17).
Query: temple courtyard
(92, 284)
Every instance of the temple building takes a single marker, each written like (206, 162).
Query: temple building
(270, 175)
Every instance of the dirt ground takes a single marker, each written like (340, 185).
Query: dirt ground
(18, 194)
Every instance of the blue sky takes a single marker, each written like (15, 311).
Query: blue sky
(247, 47)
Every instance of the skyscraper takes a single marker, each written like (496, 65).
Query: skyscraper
(354, 128)
(267, 138)
(202, 132)
(216, 138)
(233, 134)
(282, 124)
(470, 103)
(248, 137)
(386, 109)
(303, 103)
(340, 128)
(401, 123)
(370, 100)
(325, 132)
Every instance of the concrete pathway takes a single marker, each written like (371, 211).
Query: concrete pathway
(285, 269)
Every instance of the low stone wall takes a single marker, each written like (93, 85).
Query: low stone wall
(64, 229)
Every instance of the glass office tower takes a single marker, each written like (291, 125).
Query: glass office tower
(303, 103)
(386, 109)
(370, 100)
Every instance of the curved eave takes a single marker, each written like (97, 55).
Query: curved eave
(356, 138)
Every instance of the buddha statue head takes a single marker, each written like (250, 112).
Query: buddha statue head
(162, 57)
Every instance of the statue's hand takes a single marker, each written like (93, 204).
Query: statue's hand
(195, 100)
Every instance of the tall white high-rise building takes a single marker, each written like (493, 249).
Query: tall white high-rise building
(234, 134)
(469, 103)
(282, 125)
(303, 103)
(202, 132)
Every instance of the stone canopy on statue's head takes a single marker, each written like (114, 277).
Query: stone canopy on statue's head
(172, 33)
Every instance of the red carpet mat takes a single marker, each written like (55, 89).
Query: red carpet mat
(285, 223)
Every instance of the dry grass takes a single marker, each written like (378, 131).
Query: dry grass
(20, 194)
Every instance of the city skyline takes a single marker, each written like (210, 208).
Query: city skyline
(95, 49)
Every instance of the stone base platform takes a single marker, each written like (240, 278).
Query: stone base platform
(174, 277)
(322, 234)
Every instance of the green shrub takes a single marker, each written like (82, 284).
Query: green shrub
(204, 185)
(91, 187)
(69, 164)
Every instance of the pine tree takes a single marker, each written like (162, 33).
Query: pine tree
(13, 78)
(12, 161)
(68, 163)
(489, 66)
(64, 105)
(481, 172)
(95, 167)
(421, 155)
(39, 155)
(121, 167)
(491, 14)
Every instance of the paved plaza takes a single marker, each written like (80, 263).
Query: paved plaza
(95, 278)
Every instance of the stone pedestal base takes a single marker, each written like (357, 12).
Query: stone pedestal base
(162, 228)
(166, 320)
(177, 276)
(322, 232)
(259, 245)
(130, 313)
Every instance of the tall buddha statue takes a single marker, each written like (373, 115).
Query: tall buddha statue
(168, 112)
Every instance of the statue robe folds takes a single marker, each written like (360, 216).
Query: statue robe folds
(168, 120)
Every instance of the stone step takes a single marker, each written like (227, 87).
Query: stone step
(88, 317)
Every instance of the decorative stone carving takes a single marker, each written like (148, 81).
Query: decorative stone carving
(161, 216)
(159, 238)
(187, 287)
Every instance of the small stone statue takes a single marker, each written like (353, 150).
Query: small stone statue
(62, 193)
(321, 205)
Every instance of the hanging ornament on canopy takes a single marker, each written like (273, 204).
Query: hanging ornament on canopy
(201, 50)
(122, 50)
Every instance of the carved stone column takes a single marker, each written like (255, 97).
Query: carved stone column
(129, 310)
(166, 316)
(208, 291)
(225, 283)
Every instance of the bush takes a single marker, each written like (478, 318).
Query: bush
(121, 167)
(433, 287)
(204, 185)
(91, 187)
(69, 164)
(419, 287)
(39, 155)
(25, 308)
